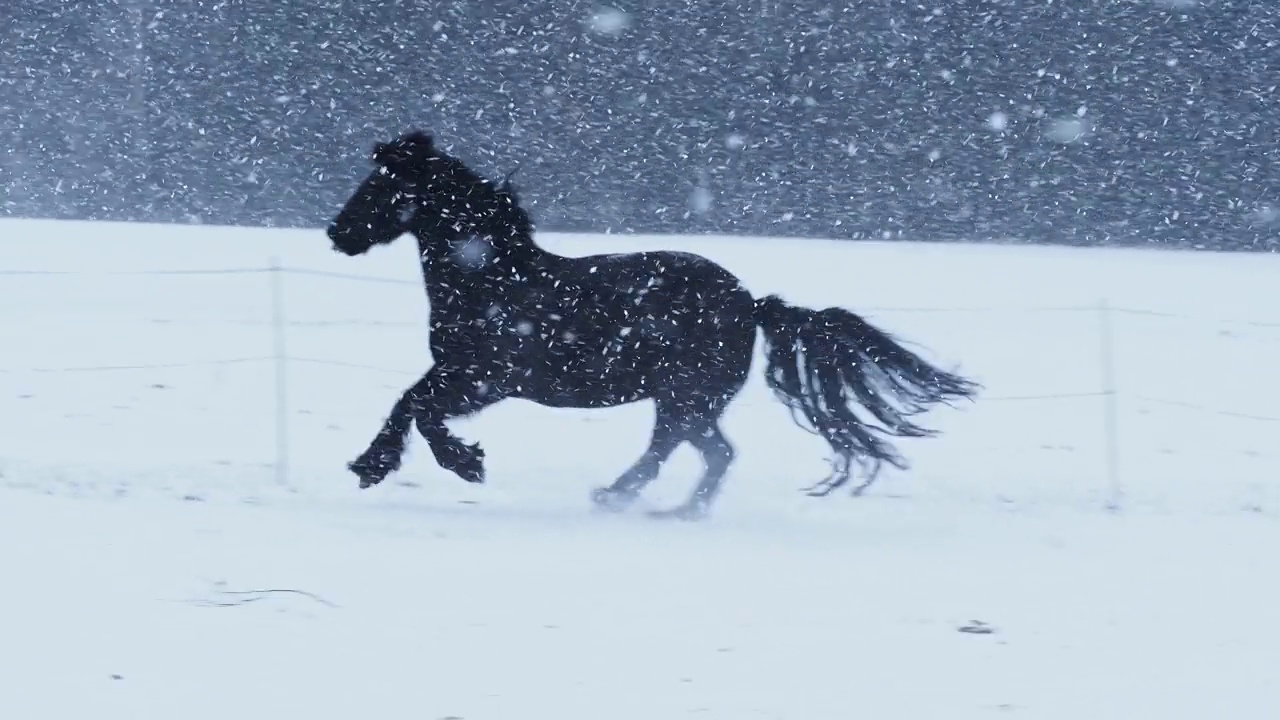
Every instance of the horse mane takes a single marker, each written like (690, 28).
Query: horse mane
(498, 200)
(509, 207)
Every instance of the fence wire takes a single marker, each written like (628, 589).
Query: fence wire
(355, 277)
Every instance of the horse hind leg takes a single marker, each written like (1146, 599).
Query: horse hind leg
(699, 423)
(717, 455)
(667, 436)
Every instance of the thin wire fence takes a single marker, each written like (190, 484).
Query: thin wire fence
(280, 357)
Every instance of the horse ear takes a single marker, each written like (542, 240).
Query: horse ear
(508, 188)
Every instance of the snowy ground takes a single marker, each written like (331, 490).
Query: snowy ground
(138, 502)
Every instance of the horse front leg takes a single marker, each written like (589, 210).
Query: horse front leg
(383, 455)
(442, 394)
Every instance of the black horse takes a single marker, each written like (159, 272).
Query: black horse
(509, 319)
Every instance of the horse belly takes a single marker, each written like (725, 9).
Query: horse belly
(633, 327)
(615, 357)
(581, 373)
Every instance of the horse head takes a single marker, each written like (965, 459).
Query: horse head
(415, 187)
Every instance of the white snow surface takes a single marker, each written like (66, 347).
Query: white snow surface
(139, 510)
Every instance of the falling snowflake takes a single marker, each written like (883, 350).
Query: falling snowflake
(473, 253)
(609, 21)
(1069, 130)
(700, 200)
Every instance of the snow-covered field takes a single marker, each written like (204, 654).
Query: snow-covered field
(140, 512)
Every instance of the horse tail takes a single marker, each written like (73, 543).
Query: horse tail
(819, 362)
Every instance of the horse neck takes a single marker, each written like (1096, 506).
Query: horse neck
(521, 251)
(513, 253)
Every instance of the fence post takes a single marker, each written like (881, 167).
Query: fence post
(1110, 419)
(280, 357)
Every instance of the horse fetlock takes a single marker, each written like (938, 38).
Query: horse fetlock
(373, 467)
(465, 461)
(613, 499)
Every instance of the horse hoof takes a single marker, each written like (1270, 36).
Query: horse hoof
(470, 465)
(368, 477)
(610, 499)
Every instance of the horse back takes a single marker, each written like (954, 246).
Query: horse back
(599, 329)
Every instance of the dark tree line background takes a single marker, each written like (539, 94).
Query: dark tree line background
(1073, 121)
